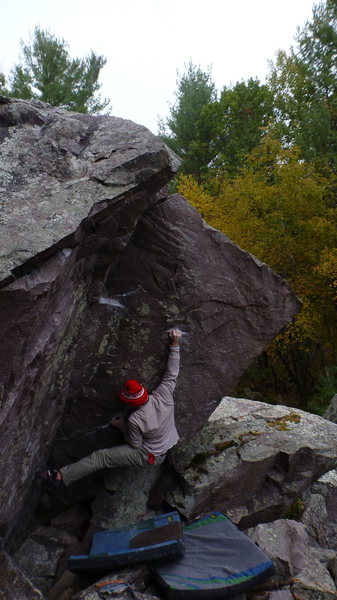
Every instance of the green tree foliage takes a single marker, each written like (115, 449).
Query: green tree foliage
(242, 116)
(211, 134)
(189, 129)
(325, 389)
(3, 89)
(304, 83)
(48, 73)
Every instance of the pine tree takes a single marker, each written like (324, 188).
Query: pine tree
(189, 128)
(48, 73)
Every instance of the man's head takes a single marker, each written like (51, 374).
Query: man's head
(133, 393)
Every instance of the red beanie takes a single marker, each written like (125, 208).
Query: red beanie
(133, 393)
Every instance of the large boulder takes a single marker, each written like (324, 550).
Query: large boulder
(253, 460)
(176, 271)
(96, 264)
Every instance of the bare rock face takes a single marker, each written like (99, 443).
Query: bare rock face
(301, 564)
(129, 504)
(253, 460)
(96, 264)
(320, 514)
(39, 556)
(13, 583)
(176, 271)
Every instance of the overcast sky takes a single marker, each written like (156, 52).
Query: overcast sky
(147, 41)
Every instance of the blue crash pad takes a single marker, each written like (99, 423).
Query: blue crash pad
(155, 540)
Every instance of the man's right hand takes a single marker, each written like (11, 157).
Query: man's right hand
(175, 336)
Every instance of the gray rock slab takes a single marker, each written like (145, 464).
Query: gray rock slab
(65, 587)
(14, 585)
(320, 514)
(39, 556)
(280, 595)
(304, 594)
(299, 561)
(36, 559)
(60, 168)
(129, 503)
(252, 460)
(72, 519)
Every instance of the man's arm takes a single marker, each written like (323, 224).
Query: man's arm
(130, 431)
(120, 423)
(168, 383)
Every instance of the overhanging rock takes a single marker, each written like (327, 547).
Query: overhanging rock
(72, 188)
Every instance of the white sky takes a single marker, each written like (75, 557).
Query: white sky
(147, 41)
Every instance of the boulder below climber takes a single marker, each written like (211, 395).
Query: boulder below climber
(253, 460)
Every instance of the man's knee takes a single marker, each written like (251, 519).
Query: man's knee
(117, 456)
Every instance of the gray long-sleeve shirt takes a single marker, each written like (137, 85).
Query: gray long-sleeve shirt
(152, 427)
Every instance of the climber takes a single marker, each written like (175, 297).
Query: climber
(149, 431)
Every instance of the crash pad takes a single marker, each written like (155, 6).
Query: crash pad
(155, 540)
(219, 562)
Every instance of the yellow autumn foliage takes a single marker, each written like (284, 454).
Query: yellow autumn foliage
(327, 267)
(282, 210)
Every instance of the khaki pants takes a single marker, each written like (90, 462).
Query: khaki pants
(108, 458)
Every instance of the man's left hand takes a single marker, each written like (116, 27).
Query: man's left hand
(118, 421)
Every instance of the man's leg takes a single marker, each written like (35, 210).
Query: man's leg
(108, 458)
